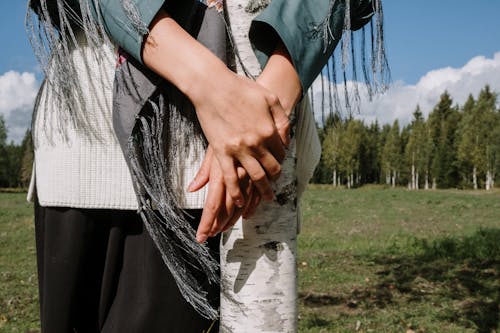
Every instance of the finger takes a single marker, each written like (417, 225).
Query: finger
(231, 181)
(228, 217)
(252, 206)
(275, 146)
(258, 176)
(282, 123)
(213, 203)
(234, 218)
(270, 165)
(224, 216)
(203, 174)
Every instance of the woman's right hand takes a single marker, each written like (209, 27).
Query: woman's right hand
(240, 120)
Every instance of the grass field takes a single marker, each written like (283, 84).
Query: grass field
(371, 260)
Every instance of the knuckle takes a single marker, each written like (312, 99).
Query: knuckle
(212, 207)
(275, 170)
(252, 140)
(230, 179)
(273, 99)
(259, 176)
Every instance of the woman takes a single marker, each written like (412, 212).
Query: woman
(242, 157)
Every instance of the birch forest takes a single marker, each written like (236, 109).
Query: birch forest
(456, 146)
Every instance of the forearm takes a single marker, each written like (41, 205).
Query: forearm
(280, 77)
(175, 55)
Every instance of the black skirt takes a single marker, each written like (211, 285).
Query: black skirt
(99, 271)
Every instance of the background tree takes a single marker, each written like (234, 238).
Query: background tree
(443, 124)
(370, 154)
(391, 156)
(4, 157)
(468, 153)
(485, 108)
(415, 149)
(332, 150)
(26, 159)
(350, 143)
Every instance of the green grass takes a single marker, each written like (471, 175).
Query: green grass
(392, 260)
(18, 279)
(371, 260)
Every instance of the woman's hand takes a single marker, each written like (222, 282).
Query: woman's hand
(278, 76)
(237, 115)
(220, 212)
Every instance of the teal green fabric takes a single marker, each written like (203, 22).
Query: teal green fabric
(121, 28)
(299, 24)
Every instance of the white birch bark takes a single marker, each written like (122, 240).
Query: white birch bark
(489, 180)
(474, 177)
(258, 255)
(413, 182)
(334, 177)
(426, 186)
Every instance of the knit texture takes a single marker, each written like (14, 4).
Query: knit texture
(72, 170)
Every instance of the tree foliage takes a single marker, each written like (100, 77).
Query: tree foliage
(455, 147)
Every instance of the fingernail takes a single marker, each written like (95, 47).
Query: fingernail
(201, 238)
(192, 186)
(240, 203)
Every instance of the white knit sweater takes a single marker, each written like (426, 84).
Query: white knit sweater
(72, 170)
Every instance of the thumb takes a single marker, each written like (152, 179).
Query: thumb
(282, 124)
(203, 175)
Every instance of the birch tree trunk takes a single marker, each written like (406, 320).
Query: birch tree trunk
(474, 177)
(258, 255)
(417, 186)
(334, 177)
(488, 185)
(426, 186)
(413, 176)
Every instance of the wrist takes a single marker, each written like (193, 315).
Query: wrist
(176, 56)
(280, 77)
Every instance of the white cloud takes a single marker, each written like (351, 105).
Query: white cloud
(400, 100)
(17, 95)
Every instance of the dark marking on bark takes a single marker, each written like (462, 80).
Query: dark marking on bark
(273, 245)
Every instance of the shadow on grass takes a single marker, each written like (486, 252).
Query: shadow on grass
(465, 271)
(461, 273)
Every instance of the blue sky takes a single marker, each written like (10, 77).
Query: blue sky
(428, 43)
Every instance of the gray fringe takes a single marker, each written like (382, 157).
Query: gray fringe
(374, 66)
(53, 45)
(159, 141)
